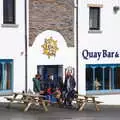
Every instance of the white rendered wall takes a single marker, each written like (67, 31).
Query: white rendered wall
(64, 56)
(12, 44)
(108, 39)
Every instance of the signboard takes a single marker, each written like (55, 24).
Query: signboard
(86, 54)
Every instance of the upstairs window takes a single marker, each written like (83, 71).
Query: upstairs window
(9, 11)
(94, 18)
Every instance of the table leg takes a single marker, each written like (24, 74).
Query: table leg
(44, 106)
(96, 106)
(27, 107)
(82, 106)
(15, 95)
(79, 103)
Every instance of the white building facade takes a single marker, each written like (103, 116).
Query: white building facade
(99, 51)
(98, 67)
(12, 47)
(95, 61)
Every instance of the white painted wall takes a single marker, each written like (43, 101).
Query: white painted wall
(64, 56)
(12, 44)
(108, 39)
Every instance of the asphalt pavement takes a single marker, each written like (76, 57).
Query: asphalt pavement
(15, 112)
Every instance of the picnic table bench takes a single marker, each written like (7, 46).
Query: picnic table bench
(28, 99)
(82, 100)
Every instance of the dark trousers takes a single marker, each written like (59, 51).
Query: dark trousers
(67, 98)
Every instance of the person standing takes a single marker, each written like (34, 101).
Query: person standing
(69, 83)
(69, 86)
(36, 83)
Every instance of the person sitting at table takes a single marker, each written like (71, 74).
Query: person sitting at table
(50, 81)
(58, 95)
(49, 95)
(42, 84)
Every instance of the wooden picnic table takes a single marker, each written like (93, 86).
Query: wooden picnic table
(29, 99)
(82, 100)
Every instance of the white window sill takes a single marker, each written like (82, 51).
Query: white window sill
(103, 92)
(9, 25)
(6, 92)
(94, 31)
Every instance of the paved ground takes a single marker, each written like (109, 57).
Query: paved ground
(55, 113)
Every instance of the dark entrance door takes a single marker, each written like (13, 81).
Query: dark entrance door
(56, 70)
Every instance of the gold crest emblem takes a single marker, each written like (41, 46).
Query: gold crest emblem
(50, 47)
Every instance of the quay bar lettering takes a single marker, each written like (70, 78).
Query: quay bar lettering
(86, 54)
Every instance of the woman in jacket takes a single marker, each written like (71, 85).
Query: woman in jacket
(36, 83)
(69, 86)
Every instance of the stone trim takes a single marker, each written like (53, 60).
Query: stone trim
(94, 31)
(95, 5)
(9, 25)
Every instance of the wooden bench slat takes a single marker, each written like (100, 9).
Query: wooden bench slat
(99, 102)
(13, 99)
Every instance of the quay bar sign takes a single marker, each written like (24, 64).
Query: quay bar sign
(86, 54)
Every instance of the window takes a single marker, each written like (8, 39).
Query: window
(9, 11)
(102, 77)
(6, 75)
(94, 18)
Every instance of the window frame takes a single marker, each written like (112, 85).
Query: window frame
(6, 15)
(6, 91)
(104, 91)
(94, 18)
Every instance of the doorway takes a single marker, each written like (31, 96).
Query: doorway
(55, 70)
